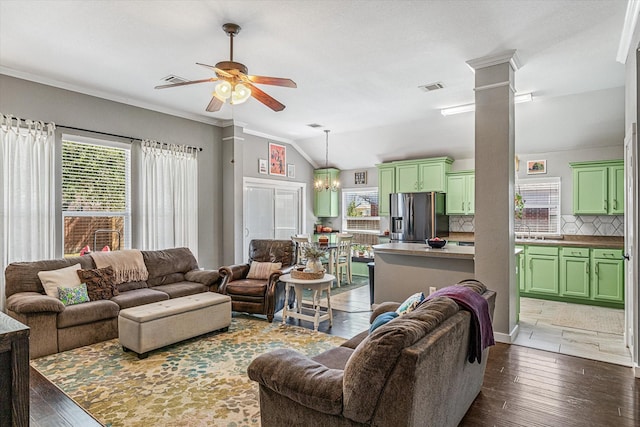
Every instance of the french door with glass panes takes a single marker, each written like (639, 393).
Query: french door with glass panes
(272, 210)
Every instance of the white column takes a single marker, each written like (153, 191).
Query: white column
(494, 169)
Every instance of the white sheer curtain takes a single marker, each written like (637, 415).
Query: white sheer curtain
(27, 226)
(169, 190)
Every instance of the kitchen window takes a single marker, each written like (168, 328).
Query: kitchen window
(96, 194)
(541, 213)
(360, 210)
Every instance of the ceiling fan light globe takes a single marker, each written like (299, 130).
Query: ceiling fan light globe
(223, 90)
(240, 94)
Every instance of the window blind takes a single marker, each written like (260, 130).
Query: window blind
(360, 210)
(96, 181)
(541, 214)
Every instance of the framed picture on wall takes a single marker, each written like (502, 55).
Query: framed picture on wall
(291, 170)
(535, 167)
(277, 159)
(360, 177)
(262, 166)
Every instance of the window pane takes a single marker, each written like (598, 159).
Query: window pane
(95, 196)
(541, 213)
(360, 210)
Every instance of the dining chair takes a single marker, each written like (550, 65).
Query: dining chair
(343, 257)
(302, 241)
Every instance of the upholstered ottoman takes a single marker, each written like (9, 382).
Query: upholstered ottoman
(151, 326)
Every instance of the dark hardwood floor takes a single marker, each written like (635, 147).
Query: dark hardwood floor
(522, 387)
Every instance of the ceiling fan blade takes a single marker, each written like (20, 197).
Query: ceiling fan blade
(274, 81)
(266, 99)
(217, 70)
(215, 104)
(192, 82)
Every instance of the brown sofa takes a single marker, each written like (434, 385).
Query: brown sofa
(412, 371)
(54, 328)
(259, 296)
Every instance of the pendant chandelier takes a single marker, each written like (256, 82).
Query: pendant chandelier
(327, 184)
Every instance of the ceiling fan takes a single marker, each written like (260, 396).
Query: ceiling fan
(235, 82)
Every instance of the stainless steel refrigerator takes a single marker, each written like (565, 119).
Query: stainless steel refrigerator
(416, 217)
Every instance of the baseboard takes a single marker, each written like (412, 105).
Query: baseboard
(507, 338)
(636, 371)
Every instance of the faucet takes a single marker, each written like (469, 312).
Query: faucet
(528, 230)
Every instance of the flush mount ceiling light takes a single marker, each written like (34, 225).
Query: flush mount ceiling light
(466, 108)
(326, 184)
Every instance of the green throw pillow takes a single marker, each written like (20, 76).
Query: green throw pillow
(75, 295)
(410, 303)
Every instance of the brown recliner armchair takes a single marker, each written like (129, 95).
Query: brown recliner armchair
(259, 296)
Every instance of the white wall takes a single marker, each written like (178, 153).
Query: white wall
(29, 100)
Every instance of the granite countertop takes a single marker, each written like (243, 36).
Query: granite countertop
(604, 242)
(421, 249)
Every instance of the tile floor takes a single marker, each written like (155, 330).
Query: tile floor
(537, 330)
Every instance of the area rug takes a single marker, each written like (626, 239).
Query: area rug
(199, 382)
(599, 319)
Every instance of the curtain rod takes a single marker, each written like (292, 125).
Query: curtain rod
(117, 136)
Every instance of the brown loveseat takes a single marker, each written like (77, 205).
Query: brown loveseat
(259, 296)
(54, 328)
(412, 371)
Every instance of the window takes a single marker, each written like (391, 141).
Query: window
(541, 213)
(360, 210)
(96, 195)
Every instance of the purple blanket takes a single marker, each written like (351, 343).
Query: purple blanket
(481, 335)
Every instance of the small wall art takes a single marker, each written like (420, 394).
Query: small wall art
(262, 166)
(277, 159)
(360, 177)
(291, 170)
(535, 167)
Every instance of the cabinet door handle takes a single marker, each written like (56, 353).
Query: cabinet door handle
(462, 205)
(421, 185)
(586, 268)
(469, 206)
(605, 205)
(615, 204)
(530, 264)
(597, 270)
(415, 185)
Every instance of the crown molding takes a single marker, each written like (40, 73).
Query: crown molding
(629, 27)
(510, 56)
(108, 96)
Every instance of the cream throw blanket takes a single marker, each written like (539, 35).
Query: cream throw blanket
(128, 265)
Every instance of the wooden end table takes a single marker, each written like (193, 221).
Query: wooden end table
(317, 286)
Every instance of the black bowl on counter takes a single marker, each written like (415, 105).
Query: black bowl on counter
(436, 244)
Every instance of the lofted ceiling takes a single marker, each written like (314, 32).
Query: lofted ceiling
(358, 66)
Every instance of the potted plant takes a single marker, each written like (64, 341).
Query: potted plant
(313, 255)
(518, 203)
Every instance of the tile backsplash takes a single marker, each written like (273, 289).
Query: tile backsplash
(582, 225)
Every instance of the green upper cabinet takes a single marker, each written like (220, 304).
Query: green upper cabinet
(386, 186)
(412, 176)
(616, 189)
(461, 188)
(326, 202)
(598, 188)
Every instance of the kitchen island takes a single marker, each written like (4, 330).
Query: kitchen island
(402, 269)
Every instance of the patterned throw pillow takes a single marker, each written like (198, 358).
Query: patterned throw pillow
(410, 303)
(262, 270)
(75, 295)
(100, 282)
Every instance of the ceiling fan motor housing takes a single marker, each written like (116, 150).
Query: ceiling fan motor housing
(231, 66)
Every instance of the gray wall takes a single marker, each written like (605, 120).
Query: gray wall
(29, 100)
(257, 147)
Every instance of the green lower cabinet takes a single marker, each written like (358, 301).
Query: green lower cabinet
(542, 270)
(608, 279)
(520, 269)
(574, 277)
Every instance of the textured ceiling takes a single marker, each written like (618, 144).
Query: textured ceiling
(358, 65)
